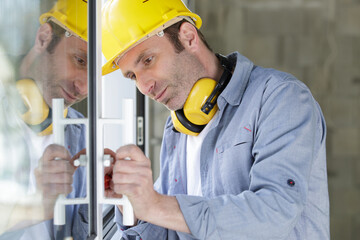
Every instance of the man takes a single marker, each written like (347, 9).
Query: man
(55, 67)
(256, 170)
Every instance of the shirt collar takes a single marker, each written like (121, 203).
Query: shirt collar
(235, 89)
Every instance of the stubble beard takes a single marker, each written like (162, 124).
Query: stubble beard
(183, 79)
(49, 84)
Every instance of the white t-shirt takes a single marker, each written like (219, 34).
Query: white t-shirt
(193, 148)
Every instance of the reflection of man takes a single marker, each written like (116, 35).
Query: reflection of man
(56, 67)
(251, 166)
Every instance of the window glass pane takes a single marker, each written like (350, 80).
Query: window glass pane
(43, 55)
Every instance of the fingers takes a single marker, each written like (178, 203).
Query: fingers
(129, 166)
(53, 190)
(132, 152)
(132, 172)
(112, 194)
(132, 178)
(55, 151)
(53, 184)
(50, 168)
(130, 190)
(110, 152)
(55, 171)
(141, 175)
(58, 166)
(58, 178)
(76, 156)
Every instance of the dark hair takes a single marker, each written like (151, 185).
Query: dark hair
(172, 34)
(57, 33)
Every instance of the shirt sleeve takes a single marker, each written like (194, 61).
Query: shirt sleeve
(287, 137)
(142, 230)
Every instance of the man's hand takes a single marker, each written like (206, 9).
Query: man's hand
(132, 176)
(54, 176)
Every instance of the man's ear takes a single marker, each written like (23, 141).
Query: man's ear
(43, 37)
(189, 36)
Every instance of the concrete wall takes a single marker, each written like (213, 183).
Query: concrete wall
(318, 41)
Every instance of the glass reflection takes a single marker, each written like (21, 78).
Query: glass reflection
(43, 55)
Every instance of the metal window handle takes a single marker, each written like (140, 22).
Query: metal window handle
(58, 127)
(107, 160)
(81, 161)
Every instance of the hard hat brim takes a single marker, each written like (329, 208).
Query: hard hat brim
(110, 66)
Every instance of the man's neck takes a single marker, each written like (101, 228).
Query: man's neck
(212, 64)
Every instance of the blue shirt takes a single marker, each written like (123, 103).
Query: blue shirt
(76, 215)
(263, 164)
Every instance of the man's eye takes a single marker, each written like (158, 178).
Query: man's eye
(132, 76)
(80, 61)
(148, 60)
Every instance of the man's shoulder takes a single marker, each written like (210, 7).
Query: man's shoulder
(272, 74)
(271, 79)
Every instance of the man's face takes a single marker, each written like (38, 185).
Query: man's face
(63, 73)
(160, 72)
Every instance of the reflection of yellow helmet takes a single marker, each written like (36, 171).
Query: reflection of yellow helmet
(69, 14)
(126, 23)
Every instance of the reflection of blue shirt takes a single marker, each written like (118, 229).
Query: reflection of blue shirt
(76, 215)
(263, 164)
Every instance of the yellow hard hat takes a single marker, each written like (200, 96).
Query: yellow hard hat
(70, 15)
(126, 23)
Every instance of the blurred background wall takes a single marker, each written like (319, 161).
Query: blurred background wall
(318, 41)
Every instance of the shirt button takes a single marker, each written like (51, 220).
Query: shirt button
(290, 182)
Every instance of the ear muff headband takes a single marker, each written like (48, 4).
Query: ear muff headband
(46, 127)
(224, 79)
(183, 125)
(200, 106)
(36, 114)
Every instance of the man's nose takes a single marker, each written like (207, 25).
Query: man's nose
(145, 84)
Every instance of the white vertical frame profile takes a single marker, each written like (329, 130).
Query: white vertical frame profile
(95, 123)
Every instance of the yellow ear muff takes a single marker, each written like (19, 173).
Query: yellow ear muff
(37, 109)
(200, 106)
(38, 114)
(191, 120)
(200, 92)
